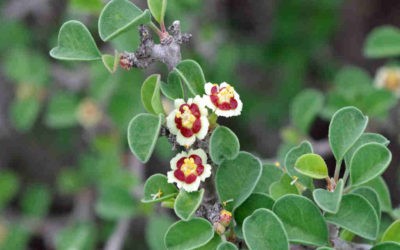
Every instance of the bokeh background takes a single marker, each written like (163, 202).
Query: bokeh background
(66, 181)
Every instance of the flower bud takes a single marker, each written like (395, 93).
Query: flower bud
(225, 217)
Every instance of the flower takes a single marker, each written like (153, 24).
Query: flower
(225, 217)
(188, 169)
(188, 121)
(89, 113)
(223, 99)
(388, 78)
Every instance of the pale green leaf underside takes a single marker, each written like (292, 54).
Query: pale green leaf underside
(329, 201)
(312, 165)
(157, 189)
(192, 75)
(157, 9)
(186, 203)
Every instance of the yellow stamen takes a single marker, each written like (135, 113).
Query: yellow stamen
(277, 164)
(392, 81)
(226, 94)
(157, 195)
(187, 117)
(189, 167)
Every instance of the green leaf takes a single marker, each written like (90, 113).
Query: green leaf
(329, 201)
(75, 43)
(158, 189)
(173, 89)
(290, 159)
(356, 215)
(155, 230)
(91, 6)
(143, 131)
(70, 181)
(392, 233)
(264, 230)
(386, 246)
(187, 203)
(78, 236)
(24, 113)
(212, 244)
(118, 16)
(236, 179)
(61, 111)
(305, 107)
(270, 174)
(157, 9)
(382, 42)
(224, 144)
(110, 62)
(346, 127)
(282, 187)
(188, 234)
(115, 203)
(351, 79)
(251, 204)
(9, 184)
(380, 187)
(368, 162)
(303, 221)
(227, 246)
(192, 75)
(36, 201)
(312, 165)
(371, 196)
(16, 237)
(151, 97)
(364, 139)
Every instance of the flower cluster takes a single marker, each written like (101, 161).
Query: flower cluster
(188, 121)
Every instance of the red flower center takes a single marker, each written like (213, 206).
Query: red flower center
(189, 168)
(223, 98)
(187, 119)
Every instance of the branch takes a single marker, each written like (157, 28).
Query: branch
(167, 52)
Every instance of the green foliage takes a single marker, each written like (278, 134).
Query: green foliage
(115, 203)
(302, 220)
(187, 203)
(36, 201)
(24, 113)
(75, 43)
(357, 215)
(236, 179)
(16, 239)
(191, 75)
(110, 62)
(329, 201)
(62, 110)
(254, 202)
(188, 234)
(143, 131)
(264, 230)
(9, 185)
(346, 127)
(212, 244)
(151, 95)
(118, 16)
(156, 228)
(270, 174)
(157, 9)
(312, 165)
(282, 187)
(173, 89)
(386, 246)
(290, 160)
(305, 107)
(371, 196)
(77, 236)
(157, 189)
(382, 42)
(392, 233)
(368, 162)
(223, 145)
(227, 246)
(380, 187)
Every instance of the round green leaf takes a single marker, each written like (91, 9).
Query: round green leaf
(186, 203)
(155, 230)
(392, 233)
(380, 187)
(185, 235)
(254, 202)
(158, 189)
(346, 127)
(371, 196)
(157, 9)
(303, 221)
(212, 244)
(236, 179)
(290, 159)
(356, 215)
(192, 75)
(115, 203)
(270, 174)
(173, 89)
(9, 185)
(387, 246)
(329, 201)
(118, 16)
(282, 187)
(227, 246)
(143, 131)
(305, 107)
(110, 62)
(368, 162)
(383, 41)
(77, 236)
(61, 111)
(223, 145)
(364, 139)
(24, 113)
(312, 165)
(75, 43)
(151, 96)
(36, 201)
(264, 230)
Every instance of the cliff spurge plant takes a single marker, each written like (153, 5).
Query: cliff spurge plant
(226, 198)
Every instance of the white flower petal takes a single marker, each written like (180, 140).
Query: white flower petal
(199, 101)
(204, 128)
(178, 103)
(224, 85)
(207, 88)
(206, 173)
(189, 101)
(171, 122)
(208, 102)
(185, 141)
(200, 152)
(174, 160)
(191, 187)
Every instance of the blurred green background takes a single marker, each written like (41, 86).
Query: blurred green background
(65, 183)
